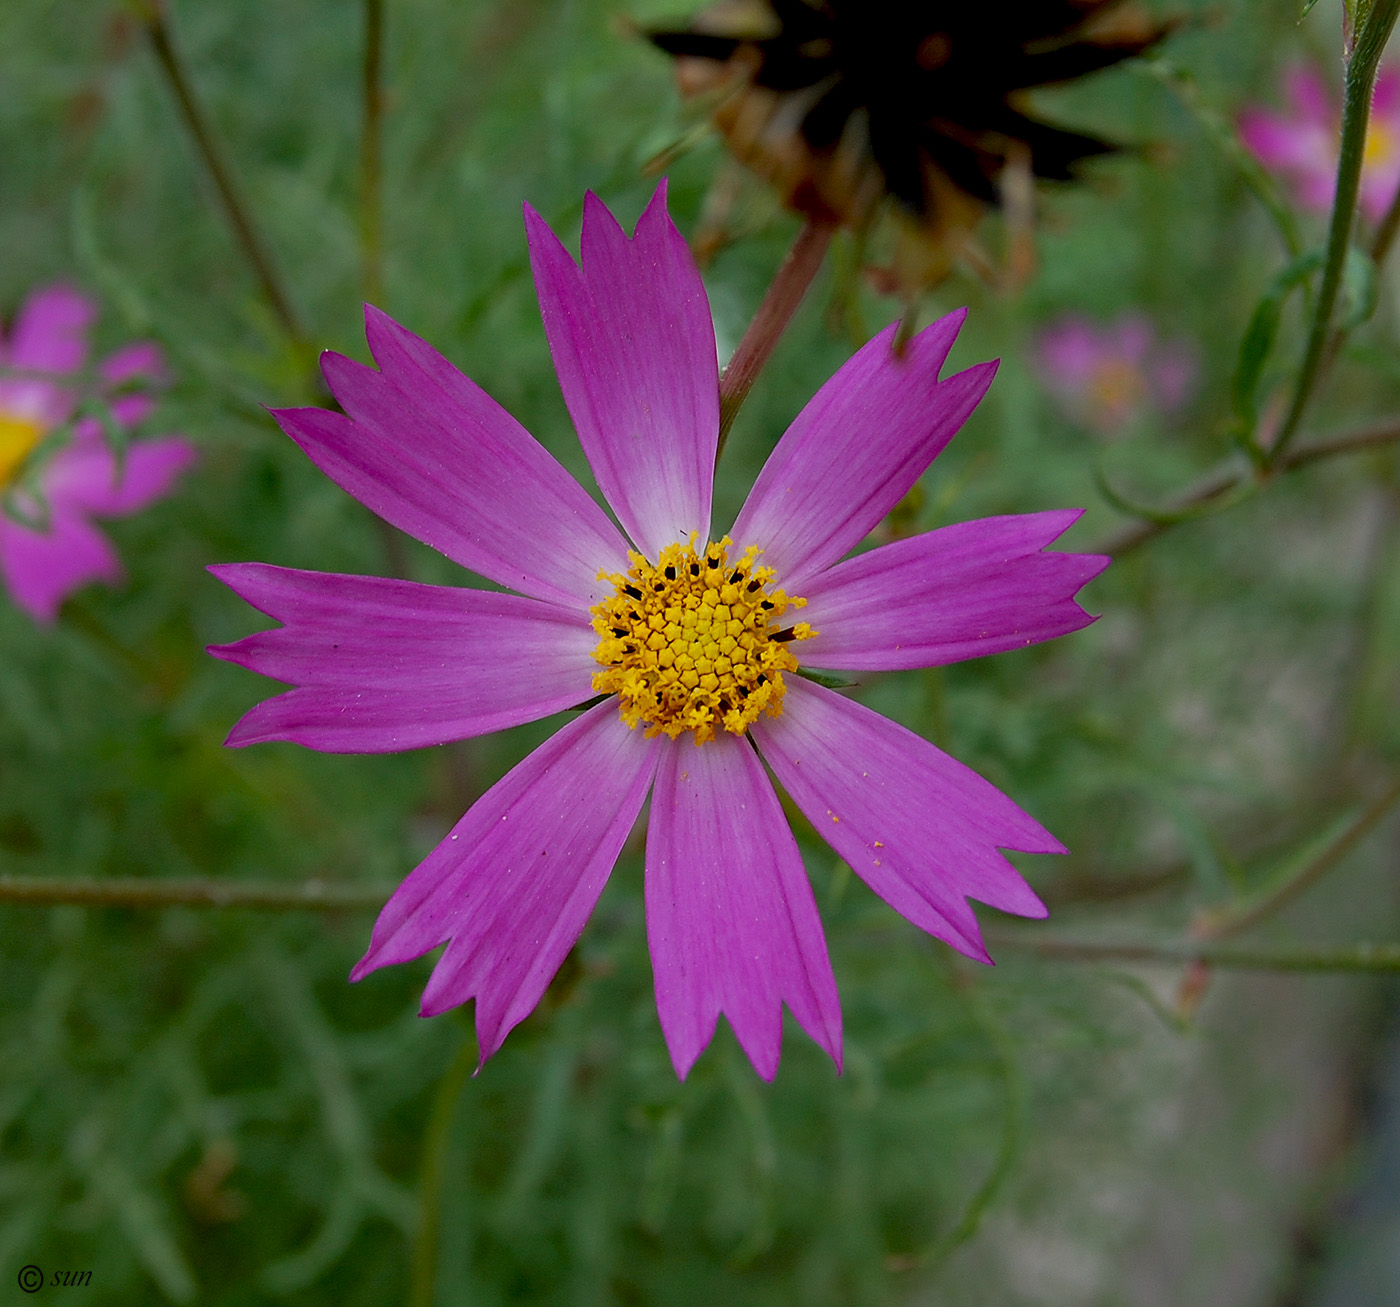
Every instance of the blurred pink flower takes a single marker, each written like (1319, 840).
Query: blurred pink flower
(1109, 377)
(683, 638)
(1302, 142)
(48, 544)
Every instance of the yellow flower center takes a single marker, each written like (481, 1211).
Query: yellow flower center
(1117, 388)
(1381, 145)
(18, 436)
(694, 642)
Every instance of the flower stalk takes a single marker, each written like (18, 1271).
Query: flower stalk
(371, 155)
(1361, 957)
(156, 20)
(197, 892)
(780, 302)
(1360, 82)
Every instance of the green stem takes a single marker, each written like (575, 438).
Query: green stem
(1364, 957)
(1219, 484)
(1360, 81)
(423, 1273)
(371, 154)
(157, 23)
(149, 892)
(1233, 919)
(780, 302)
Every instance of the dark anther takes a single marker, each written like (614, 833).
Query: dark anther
(659, 587)
(670, 573)
(724, 705)
(767, 603)
(762, 679)
(735, 577)
(752, 585)
(620, 631)
(632, 590)
(695, 569)
(782, 637)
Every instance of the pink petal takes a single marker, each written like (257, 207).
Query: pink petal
(1133, 338)
(386, 665)
(1380, 180)
(634, 347)
(731, 920)
(41, 569)
(1279, 142)
(432, 453)
(959, 592)
(1173, 373)
(1385, 99)
(514, 883)
(1308, 94)
(917, 826)
(856, 449)
(50, 334)
(1070, 352)
(144, 358)
(89, 474)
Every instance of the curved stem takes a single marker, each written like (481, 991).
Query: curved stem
(1362, 957)
(1218, 484)
(149, 892)
(780, 302)
(1277, 894)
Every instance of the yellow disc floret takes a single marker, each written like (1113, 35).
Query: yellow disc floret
(694, 642)
(18, 437)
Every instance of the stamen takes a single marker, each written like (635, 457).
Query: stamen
(690, 652)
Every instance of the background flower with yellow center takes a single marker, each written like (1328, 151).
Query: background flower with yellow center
(48, 544)
(1303, 142)
(382, 665)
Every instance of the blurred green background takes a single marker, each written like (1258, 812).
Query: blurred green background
(194, 1104)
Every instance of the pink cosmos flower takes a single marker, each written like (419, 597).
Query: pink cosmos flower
(683, 633)
(1109, 377)
(48, 544)
(1303, 142)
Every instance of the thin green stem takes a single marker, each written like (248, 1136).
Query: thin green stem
(1356, 110)
(143, 892)
(780, 302)
(157, 23)
(423, 1272)
(1363, 957)
(1215, 490)
(371, 154)
(1274, 896)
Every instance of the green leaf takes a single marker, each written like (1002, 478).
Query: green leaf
(1358, 289)
(1258, 340)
